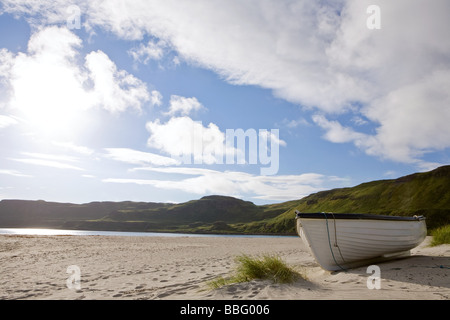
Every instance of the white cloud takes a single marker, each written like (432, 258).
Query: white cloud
(269, 136)
(359, 121)
(156, 98)
(138, 157)
(182, 137)
(6, 61)
(183, 106)
(42, 12)
(55, 157)
(190, 142)
(45, 83)
(315, 53)
(276, 45)
(414, 118)
(48, 163)
(177, 170)
(322, 55)
(51, 89)
(406, 129)
(49, 160)
(14, 173)
(206, 181)
(335, 132)
(115, 90)
(70, 146)
(294, 123)
(6, 121)
(145, 53)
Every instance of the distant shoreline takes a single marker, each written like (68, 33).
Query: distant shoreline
(76, 232)
(423, 194)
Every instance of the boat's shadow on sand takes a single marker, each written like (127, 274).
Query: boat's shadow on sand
(418, 269)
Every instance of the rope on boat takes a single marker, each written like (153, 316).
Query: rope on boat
(329, 242)
(335, 238)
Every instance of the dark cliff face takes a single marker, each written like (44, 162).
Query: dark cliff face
(25, 213)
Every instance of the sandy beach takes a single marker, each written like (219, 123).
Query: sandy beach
(41, 267)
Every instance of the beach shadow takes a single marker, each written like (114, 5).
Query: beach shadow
(422, 270)
(418, 269)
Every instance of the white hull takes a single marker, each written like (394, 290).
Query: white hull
(339, 244)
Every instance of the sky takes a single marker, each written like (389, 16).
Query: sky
(264, 100)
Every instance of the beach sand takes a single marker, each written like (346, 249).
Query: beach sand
(36, 267)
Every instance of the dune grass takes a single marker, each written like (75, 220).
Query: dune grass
(441, 236)
(267, 267)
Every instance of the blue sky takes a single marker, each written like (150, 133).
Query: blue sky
(112, 108)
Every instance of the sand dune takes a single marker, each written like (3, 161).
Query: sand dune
(38, 267)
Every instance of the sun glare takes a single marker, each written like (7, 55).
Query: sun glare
(50, 96)
(54, 88)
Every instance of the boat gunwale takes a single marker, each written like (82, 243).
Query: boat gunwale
(354, 216)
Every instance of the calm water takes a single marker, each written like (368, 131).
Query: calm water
(59, 232)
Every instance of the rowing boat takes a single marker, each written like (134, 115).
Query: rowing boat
(339, 241)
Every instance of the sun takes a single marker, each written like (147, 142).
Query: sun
(50, 96)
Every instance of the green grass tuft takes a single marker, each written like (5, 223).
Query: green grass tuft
(267, 267)
(441, 236)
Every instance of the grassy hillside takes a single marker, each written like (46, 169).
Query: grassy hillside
(210, 214)
(425, 194)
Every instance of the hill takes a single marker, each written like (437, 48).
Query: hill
(417, 194)
(208, 214)
(43, 214)
(426, 194)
